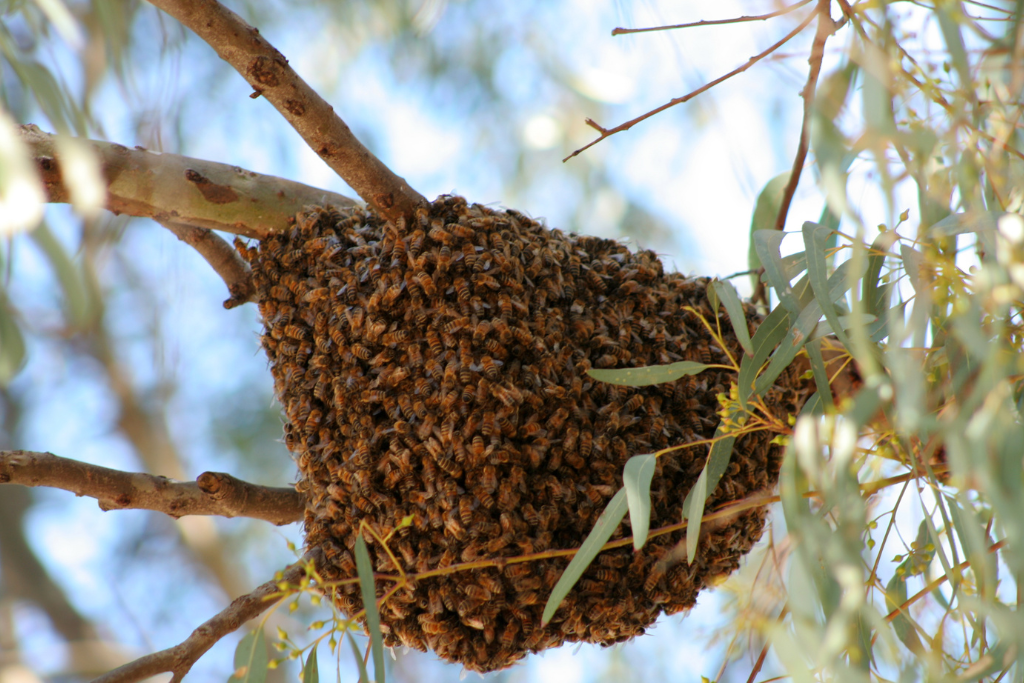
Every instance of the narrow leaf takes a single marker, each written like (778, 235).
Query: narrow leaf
(871, 294)
(364, 677)
(769, 333)
(636, 478)
(767, 243)
(731, 300)
(896, 595)
(820, 374)
(766, 210)
(695, 513)
(251, 658)
(815, 238)
(12, 344)
(310, 670)
(654, 374)
(715, 466)
(598, 536)
(369, 595)
(913, 261)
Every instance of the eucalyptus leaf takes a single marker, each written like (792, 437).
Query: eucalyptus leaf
(766, 211)
(251, 658)
(364, 676)
(768, 334)
(369, 594)
(815, 239)
(695, 513)
(767, 243)
(310, 669)
(636, 478)
(820, 374)
(12, 344)
(895, 596)
(646, 376)
(871, 293)
(731, 300)
(603, 529)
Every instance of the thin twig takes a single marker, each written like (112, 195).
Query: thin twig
(213, 493)
(764, 650)
(712, 22)
(178, 660)
(608, 132)
(826, 27)
(222, 257)
(189, 191)
(271, 77)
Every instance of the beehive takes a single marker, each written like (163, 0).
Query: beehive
(438, 370)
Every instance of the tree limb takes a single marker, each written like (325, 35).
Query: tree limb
(213, 493)
(268, 72)
(187, 191)
(224, 260)
(178, 660)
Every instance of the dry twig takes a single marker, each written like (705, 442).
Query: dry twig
(213, 493)
(713, 22)
(268, 72)
(189, 191)
(178, 660)
(608, 132)
(222, 258)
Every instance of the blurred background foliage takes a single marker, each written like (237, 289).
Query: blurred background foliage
(114, 348)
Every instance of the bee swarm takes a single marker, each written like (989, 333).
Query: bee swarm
(438, 370)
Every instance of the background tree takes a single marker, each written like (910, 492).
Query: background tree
(917, 111)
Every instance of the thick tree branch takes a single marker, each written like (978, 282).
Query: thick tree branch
(268, 72)
(224, 260)
(213, 493)
(178, 660)
(187, 191)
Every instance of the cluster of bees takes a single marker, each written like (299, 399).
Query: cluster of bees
(437, 370)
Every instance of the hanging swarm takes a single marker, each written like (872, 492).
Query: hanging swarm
(439, 371)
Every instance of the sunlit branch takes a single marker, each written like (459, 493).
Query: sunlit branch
(222, 257)
(608, 132)
(712, 22)
(213, 493)
(826, 27)
(272, 78)
(188, 191)
(178, 660)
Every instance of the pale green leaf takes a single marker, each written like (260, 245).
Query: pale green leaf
(731, 300)
(369, 594)
(310, 669)
(364, 677)
(766, 210)
(598, 536)
(636, 478)
(251, 658)
(654, 374)
(695, 513)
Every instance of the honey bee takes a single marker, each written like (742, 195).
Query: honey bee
(490, 369)
(426, 284)
(557, 420)
(586, 444)
(504, 304)
(466, 511)
(489, 425)
(416, 243)
(489, 478)
(476, 592)
(438, 234)
(444, 258)
(507, 497)
(531, 516)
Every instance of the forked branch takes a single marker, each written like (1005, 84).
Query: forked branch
(608, 132)
(170, 187)
(268, 72)
(213, 493)
(178, 660)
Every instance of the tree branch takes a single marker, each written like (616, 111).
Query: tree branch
(713, 22)
(169, 187)
(213, 493)
(224, 260)
(608, 132)
(268, 72)
(178, 660)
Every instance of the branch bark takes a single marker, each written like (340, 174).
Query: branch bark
(183, 190)
(268, 72)
(178, 660)
(213, 493)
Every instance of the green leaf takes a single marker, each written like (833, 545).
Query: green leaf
(913, 261)
(654, 374)
(955, 44)
(369, 595)
(76, 304)
(873, 296)
(310, 670)
(820, 374)
(636, 479)
(364, 677)
(695, 513)
(767, 243)
(693, 505)
(731, 300)
(896, 595)
(768, 334)
(598, 536)
(251, 658)
(766, 210)
(815, 237)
